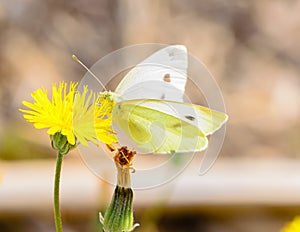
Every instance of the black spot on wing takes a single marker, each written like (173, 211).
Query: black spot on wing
(171, 53)
(163, 97)
(189, 117)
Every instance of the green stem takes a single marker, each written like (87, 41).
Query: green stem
(57, 216)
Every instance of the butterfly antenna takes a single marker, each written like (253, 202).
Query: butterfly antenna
(87, 69)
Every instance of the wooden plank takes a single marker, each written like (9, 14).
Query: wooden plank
(27, 185)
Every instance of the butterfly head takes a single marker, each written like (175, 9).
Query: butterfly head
(107, 96)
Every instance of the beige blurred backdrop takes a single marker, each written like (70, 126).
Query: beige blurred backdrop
(251, 48)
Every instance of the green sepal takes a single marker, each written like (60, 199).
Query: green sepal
(60, 142)
(119, 215)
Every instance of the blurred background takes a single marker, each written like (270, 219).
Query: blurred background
(251, 48)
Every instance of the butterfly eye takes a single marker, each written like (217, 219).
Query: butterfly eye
(167, 78)
(189, 117)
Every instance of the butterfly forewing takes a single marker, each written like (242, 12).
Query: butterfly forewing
(162, 75)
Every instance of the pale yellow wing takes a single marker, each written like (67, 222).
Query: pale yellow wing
(156, 131)
(207, 120)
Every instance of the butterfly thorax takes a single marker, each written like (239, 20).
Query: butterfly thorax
(105, 104)
(103, 113)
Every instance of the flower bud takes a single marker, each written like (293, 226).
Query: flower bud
(60, 142)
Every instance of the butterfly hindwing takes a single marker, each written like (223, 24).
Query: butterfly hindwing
(207, 120)
(155, 131)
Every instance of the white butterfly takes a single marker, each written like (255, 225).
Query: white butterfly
(150, 109)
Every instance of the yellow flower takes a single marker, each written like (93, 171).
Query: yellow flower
(73, 114)
(293, 226)
(95, 124)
